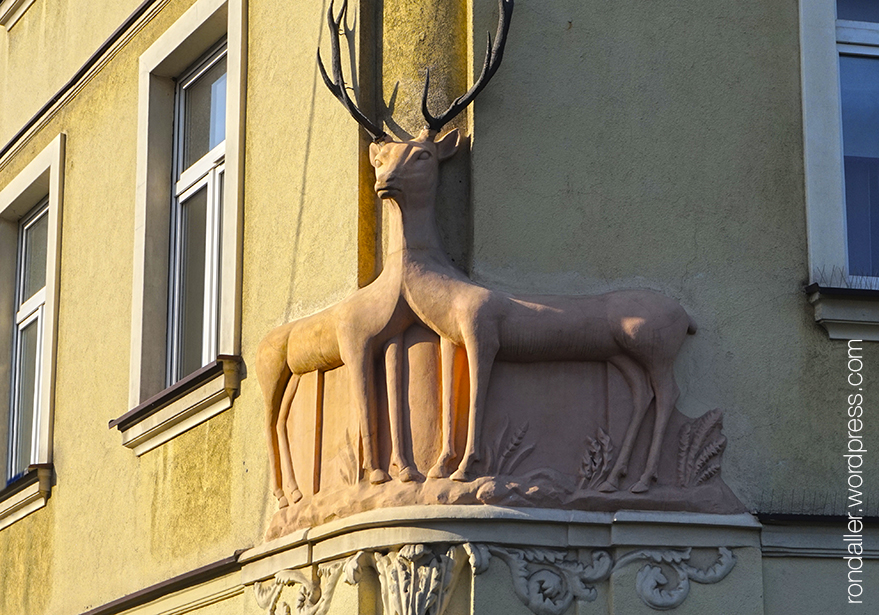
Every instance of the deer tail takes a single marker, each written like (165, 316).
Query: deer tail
(691, 327)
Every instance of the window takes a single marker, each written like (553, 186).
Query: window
(200, 142)
(188, 226)
(840, 71)
(30, 214)
(30, 301)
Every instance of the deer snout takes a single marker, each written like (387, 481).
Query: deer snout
(387, 185)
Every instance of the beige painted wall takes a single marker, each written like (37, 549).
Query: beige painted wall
(44, 49)
(659, 145)
(119, 521)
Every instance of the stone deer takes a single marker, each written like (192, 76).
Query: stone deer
(350, 333)
(640, 332)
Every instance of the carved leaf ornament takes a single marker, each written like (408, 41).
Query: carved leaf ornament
(420, 579)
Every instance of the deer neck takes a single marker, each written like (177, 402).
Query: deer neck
(413, 229)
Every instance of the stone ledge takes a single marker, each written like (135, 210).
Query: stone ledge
(391, 527)
(26, 494)
(846, 313)
(191, 401)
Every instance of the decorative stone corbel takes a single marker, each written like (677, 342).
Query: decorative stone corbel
(415, 580)
(315, 593)
(546, 580)
(653, 586)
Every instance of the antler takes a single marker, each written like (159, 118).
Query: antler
(493, 57)
(337, 85)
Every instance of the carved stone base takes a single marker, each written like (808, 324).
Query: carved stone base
(484, 560)
(540, 488)
(551, 435)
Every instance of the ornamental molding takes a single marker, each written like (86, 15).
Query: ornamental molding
(419, 579)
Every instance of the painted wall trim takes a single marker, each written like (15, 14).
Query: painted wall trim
(120, 37)
(12, 10)
(198, 576)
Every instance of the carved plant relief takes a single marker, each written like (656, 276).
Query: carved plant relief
(419, 579)
(314, 594)
(483, 435)
(415, 580)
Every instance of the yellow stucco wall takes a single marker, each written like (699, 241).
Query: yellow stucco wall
(119, 521)
(43, 50)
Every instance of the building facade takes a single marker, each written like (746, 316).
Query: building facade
(179, 181)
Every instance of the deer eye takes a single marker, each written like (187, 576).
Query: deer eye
(423, 156)
(377, 163)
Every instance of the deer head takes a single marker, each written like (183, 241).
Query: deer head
(407, 167)
(408, 171)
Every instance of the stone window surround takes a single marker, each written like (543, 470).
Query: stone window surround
(196, 31)
(12, 10)
(845, 312)
(44, 175)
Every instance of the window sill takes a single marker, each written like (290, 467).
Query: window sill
(12, 10)
(846, 313)
(196, 398)
(27, 493)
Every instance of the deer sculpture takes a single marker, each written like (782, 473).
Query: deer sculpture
(640, 332)
(350, 333)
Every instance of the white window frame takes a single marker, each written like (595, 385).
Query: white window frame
(206, 172)
(12, 10)
(193, 34)
(42, 179)
(29, 310)
(846, 306)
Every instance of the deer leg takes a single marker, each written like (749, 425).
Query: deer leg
(451, 379)
(635, 377)
(394, 374)
(290, 487)
(480, 357)
(273, 407)
(360, 364)
(667, 393)
(273, 374)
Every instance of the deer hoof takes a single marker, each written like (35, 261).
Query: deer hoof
(378, 476)
(607, 487)
(639, 487)
(408, 474)
(282, 502)
(460, 475)
(438, 471)
(295, 496)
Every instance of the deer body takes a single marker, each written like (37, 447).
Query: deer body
(351, 333)
(638, 331)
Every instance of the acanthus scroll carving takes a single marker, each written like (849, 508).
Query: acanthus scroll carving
(420, 579)
(547, 581)
(654, 587)
(313, 597)
(415, 580)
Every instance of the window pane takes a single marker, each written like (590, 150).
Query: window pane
(192, 284)
(34, 262)
(859, 84)
(204, 115)
(24, 412)
(858, 10)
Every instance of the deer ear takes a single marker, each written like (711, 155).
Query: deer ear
(448, 145)
(374, 149)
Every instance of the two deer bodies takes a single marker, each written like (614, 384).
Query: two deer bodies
(639, 332)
